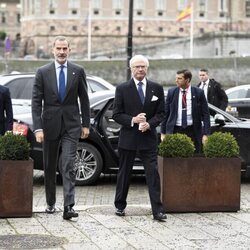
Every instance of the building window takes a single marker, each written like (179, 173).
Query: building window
(139, 6)
(18, 17)
(160, 5)
(118, 12)
(52, 28)
(53, 4)
(52, 12)
(181, 29)
(96, 4)
(74, 4)
(74, 12)
(202, 30)
(117, 4)
(74, 28)
(247, 8)
(202, 8)
(160, 29)
(222, 8)
(160, 13)
(96, 28)
(3, 18)
(118, 28)
(182, 4)
(96, 12)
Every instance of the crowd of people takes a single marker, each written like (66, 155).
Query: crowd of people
(139, 107)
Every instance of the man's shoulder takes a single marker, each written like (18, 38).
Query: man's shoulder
(46, 66)
(213, 82)
(3, 89)
(74, 65)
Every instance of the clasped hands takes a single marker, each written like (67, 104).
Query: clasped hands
(141, 120)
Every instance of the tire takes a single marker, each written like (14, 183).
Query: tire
(88, 164)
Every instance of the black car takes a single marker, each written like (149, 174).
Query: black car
(98, 153)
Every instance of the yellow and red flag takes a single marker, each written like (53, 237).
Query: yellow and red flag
(184, 13)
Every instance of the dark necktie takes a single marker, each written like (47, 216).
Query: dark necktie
(62, 88)
(204, 84)
(140, 91)
(184, 109)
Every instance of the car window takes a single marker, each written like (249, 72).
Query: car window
(239, 93)
(94, 86)
(21, 88)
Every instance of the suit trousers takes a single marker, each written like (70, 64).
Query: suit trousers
(68, 148)
(149, 160)
(189, 131)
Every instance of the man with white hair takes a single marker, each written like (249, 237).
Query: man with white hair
(139, 108)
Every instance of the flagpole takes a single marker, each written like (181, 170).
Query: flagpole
(191, 31)
(89, 31)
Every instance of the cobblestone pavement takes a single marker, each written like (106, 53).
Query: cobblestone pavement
(98, 228)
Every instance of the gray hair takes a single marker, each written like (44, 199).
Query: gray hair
(138, 58)
(60, 38)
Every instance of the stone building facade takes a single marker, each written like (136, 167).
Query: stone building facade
(99, 28)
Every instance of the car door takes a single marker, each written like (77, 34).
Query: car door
(108, 128)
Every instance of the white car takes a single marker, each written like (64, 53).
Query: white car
(21, 85)
(239, 99)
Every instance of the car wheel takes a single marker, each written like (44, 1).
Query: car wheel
(88, 164)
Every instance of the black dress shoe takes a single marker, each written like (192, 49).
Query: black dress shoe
(69, 213)
(160, 216)
(120, 212)
(50, 209)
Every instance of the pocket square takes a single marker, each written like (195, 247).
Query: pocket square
(154, 98)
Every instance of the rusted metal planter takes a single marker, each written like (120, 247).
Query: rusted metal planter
(16, 188)
(200, 184)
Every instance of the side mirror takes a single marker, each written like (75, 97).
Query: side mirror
(219, 119)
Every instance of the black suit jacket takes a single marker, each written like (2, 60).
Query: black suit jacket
(200, 112)
(47, 111)
(6, 113)
(216, 95)
(127, 104)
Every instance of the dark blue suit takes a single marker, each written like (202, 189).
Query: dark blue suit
(6, 113)
(127, 104)
(200, 113)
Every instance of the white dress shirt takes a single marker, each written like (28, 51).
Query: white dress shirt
(189, 107)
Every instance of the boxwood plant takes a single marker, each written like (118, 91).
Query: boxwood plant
(14, 147)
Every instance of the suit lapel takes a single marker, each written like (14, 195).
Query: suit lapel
(70, 76)
(51, 76)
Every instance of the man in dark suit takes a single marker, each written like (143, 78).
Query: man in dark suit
(186, 109)
(57, 121)
(139, 108)
(213, 90)
(6, 113)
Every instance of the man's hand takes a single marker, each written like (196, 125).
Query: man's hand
(140, 118)
(144, 126)
(162, 137)
(39, 136)
(204, 139)
(85, 133)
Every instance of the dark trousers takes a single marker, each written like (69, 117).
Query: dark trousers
(67, 158)
(189, 131)
(149, 160)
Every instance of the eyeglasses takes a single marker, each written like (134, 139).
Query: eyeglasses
(139, 67)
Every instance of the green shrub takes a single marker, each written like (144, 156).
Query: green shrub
(14, 147)
(176, 145)
(221, 144)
